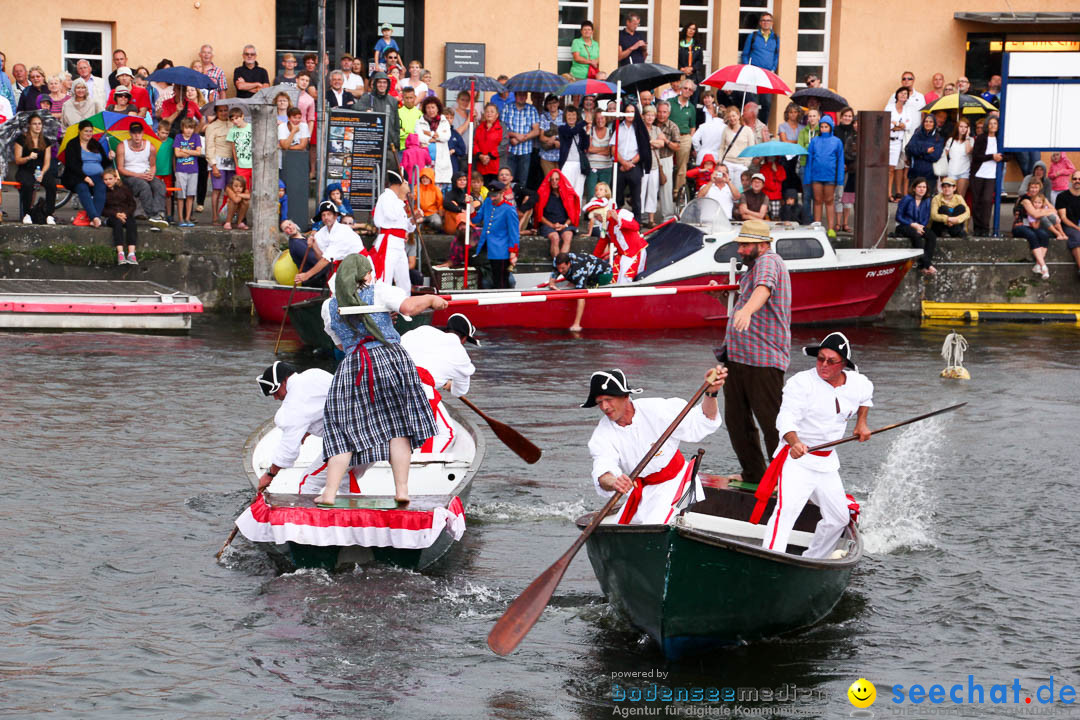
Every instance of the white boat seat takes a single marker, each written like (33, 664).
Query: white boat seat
(737, 528)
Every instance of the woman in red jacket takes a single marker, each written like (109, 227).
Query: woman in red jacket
(488, 135)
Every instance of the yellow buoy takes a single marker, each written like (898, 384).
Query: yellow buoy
(285, 269)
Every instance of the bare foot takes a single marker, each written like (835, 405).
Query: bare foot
(575, 328)
(402, 502)
(324, 500)
(734, 477)
(242, 226)
(227, 226)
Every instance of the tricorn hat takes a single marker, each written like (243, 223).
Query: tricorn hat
(324, 206)
(461, 326)
(608, 382)
(272, 377)
(838, 343)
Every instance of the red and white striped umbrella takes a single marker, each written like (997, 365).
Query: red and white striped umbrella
(747, 78)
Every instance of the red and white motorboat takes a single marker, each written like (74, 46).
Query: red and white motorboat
(827, 285)
(270, 299)
(121, 305)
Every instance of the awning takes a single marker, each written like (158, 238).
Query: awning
(1022, 18)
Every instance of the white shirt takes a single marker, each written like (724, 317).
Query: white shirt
(988, 170)
(709, 139)
(441, 354)
(301, 412)
(302, 132)
(916, 101)
(723, 196)
(390, 212)
(338, 241)
(628, 147)
(819, 412)
(352, 82)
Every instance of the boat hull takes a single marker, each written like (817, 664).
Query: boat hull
(693, 591)
(817, 296)
(306, 319)
(270, 299)
(133, 305)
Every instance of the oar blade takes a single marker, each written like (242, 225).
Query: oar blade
(517, 442)
(523, 613)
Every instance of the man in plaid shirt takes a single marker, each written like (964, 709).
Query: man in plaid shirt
(212, 71)
(521, 122)
(757, 350)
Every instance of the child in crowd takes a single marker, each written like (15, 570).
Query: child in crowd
(238, 200)
(119, 214)
(775, 175)
(1050, 222)
(336, 195)
(283, 201)
(219, 158)
(163, 165)
(395, 83)
(702, 174)
(187, 147)
(744, 180)
(240, 137)
(425, 77)
(414, 157)
(385, 43)
(1061, 169)
(430, 199)
(478, 189)
(596, 210)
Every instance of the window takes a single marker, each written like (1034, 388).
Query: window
(571, 14)
(92, 41)
(297, 29)
(700, 13)
(726, 252)
(799, 248)
(812, 54)
(644, 11)
(749, 14)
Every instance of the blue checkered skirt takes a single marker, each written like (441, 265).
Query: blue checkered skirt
(354, 423)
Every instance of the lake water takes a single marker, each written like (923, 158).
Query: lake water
(120, 457)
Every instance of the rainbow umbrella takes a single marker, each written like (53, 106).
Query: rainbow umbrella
(113, 127)
(588, 87)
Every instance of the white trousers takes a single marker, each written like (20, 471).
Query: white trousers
(630, 266)
(798, 484)
(572, 172)
(397, 268)
(665, 202)
(650, 185)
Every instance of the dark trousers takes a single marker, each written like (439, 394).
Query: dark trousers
(982, 205)
(500, 271)
(927, 241)
(751, 392)
(764, 101)
(298, 247)
(519, 167)
(631, 180)
(807, 204)
(200, 187)
(123, 232)
(26, 191)
(942, 230)
(1036, 237)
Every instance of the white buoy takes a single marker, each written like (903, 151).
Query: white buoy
(953, 352)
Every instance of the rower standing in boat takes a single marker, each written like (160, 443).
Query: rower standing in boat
(817, 406)
(376, 409)
(626, 434)
(303, 397)
(331, 243)
(392, 218)
(443, 364)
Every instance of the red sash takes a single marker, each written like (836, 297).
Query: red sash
(771, 477)
(669, 472)
(378, 255)
(365, 364)
(429, 445)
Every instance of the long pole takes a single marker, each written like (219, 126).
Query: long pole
(321, 119)
(285, 315)
(615, 170)
(468, 182)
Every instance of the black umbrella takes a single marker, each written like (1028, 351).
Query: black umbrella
(826, 98)
(465, 82)
(644, 76)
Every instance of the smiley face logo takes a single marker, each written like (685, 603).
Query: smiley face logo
(862, 693)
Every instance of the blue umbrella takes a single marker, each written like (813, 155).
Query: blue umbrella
(773, 147)
(183, 76)
(465, 82)
(588, 87)
(535, 81)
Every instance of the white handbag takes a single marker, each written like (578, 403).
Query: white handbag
(941, 165)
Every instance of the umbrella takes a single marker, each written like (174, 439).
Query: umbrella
(773, 148)
(483, 83)
(747, 78)
(267, 95)
(643, 76)
(208, 109)
(113, 127)
(967, 104)
(15, 127)
(588, 87)
(535, 81)
(183, 76)
(827, 100)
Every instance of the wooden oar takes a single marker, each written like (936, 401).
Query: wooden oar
(284, 317)
(514, 440)
(850, 438)
(228, 540)
(523, 613)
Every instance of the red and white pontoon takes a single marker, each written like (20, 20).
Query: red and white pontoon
(95, 305)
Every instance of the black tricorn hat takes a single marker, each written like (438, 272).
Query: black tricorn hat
(608, 382)
(838, 343)
(272, 377)
(462, 327)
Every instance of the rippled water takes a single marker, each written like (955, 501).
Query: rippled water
(121, 465)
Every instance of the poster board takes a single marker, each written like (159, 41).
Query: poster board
(356, 155)
(1040, 100)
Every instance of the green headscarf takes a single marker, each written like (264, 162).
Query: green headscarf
(350, 273)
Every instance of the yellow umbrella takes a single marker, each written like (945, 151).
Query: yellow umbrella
(966, 104)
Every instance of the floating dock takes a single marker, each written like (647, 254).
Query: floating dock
(137, 305)
(1001, 312)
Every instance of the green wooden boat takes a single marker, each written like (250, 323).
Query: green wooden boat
(705, 581)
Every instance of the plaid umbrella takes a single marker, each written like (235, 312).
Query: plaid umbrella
(15, 127)
(113, 127)
(483, 83)
(827, 99)
(588, 87)
(535, 81)
(966, 104)
(747, 78)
